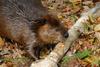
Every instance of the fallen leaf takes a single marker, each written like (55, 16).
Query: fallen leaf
(1, 42)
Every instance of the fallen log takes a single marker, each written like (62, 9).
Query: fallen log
(61, 48)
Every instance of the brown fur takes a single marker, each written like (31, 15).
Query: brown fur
(28, 23)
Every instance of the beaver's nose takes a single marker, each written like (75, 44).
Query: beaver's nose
(66, 34)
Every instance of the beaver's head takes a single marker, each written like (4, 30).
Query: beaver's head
(52, 31)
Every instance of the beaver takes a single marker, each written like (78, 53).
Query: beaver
(29, 23)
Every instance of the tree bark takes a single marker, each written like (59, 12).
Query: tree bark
(61, 48)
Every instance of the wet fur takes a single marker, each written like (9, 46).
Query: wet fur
(25, 20)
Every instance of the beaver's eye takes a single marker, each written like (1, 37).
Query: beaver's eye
(66, 34)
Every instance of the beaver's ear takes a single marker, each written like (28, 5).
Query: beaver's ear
(37, 23)
(40, 21)
(52, 20)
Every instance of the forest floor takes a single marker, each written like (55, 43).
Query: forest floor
(85, 51)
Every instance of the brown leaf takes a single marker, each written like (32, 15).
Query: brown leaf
(1, 42)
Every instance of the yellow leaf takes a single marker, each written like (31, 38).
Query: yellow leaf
(1, 42)
(97, 27)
